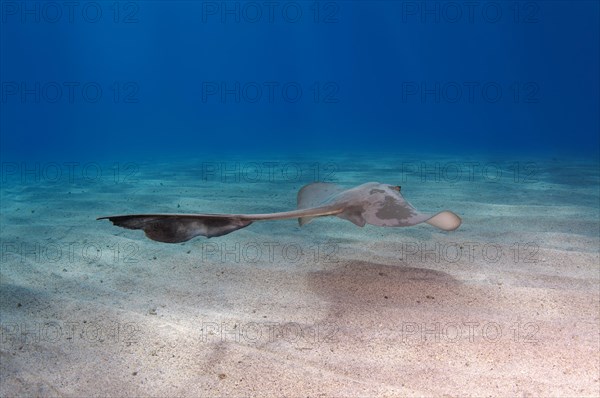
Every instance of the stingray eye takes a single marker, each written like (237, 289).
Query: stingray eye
(395, 187)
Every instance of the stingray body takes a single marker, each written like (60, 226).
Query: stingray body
(371, 203)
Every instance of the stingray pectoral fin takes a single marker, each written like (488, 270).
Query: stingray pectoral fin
(384, 206)
(445, 220)
(316, 193)
(313, 195)
(304, 220)
(176, 228)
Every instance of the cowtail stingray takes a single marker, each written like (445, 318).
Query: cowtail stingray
(371, 203)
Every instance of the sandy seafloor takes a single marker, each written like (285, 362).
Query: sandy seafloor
(507, 305)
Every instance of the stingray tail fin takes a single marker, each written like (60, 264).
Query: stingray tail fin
(313, 195)
(176, 228)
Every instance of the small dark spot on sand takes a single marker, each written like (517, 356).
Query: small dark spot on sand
(32, 211)
(382, 274)
(385, 297)
(154, 258)
(134, 373)
(222, 376)
(64, 270)
(178, 205)
(19, 305)
(430, 297)
(189, 251)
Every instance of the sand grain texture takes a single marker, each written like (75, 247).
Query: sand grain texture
(508, 305)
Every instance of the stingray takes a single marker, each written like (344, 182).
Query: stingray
(371, 203)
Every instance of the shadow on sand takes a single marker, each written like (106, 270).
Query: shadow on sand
(359, 286)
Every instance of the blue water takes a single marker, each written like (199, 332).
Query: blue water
(98, 80)
(488, 109)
